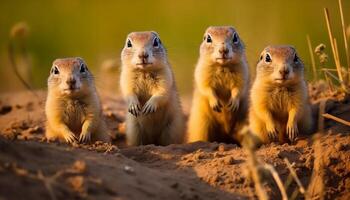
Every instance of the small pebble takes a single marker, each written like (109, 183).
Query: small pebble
(129, 169)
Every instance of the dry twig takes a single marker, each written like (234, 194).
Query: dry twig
(295, 176)
(337, 119)
(277, 178)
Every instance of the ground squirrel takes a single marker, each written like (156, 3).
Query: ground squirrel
(219, 106)
(148, 86)
(73, 107)
(279, 96)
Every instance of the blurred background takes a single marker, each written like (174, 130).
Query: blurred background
(96, 31)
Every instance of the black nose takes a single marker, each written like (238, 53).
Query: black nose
(223, 51)
(284, 72)
(71, 81)
(143, 55)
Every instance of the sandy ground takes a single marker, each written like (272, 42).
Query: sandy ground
(32, 168)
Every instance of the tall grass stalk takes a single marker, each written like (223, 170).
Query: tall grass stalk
(344, 34)
(334, 51)
(313, 63)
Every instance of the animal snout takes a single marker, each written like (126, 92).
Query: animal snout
(223, 51)
(71, 81)
(284, 72)
(143, 55)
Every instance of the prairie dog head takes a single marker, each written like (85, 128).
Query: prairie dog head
(281, 65)
(144, 50)
(69, 77)
(222, 45)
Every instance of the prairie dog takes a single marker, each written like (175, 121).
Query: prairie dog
(279, 96)
(148, 86)
(219, 106)
(73, 108)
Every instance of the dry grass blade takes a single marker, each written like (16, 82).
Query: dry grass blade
(329, 116)
(294, 194)
(48, 184)
(316, 187)
(329, 70)
(278, 181)
(344, 34)
(321, 111)
(336, 48)
(333, 76)
(15, 69)
(312, 57)
(295, 176)
(329, 82)
(288, 182)
(253, 166)
(334, 51)
(252, 162)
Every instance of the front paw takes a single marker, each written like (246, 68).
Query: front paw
(149, 107)
(292, 131)
(271, 131)
(134, 108)
(215, 105)
(233, 104)
(69, 137)
(85, 137)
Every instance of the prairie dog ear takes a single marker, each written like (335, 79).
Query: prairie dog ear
(267, 49)
(208, 29)
(292, 47)
(81, 60)
(232, 29)
(82, 65)
(155, 33)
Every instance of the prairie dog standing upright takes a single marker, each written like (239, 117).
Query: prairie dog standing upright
(73, 108)
(219, 106)
(279, 96)
(147, 83)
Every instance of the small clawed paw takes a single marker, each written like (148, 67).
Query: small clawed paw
(134, 109)
(216, 106)
(84, 138)
(233, 104)
(272, 133)
(70, 138)
(292, 132)
(149, 108)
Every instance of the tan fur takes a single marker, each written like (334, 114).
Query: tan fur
(219, 105)
(279, 108)
(73, 109)
(147, 83)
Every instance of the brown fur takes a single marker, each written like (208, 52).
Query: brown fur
(279, 106)
(73, 114)
(148, 85)
(219, 105)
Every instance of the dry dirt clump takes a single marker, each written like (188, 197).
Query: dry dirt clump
(30, 167)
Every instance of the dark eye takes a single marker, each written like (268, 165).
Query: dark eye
(235, 38)
(296, 58)
(268, 58)
(82, 68)
(55, 70)
(156, 42)
(209, 40)
(128, 44)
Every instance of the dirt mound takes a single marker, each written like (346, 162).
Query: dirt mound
(42, 170)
